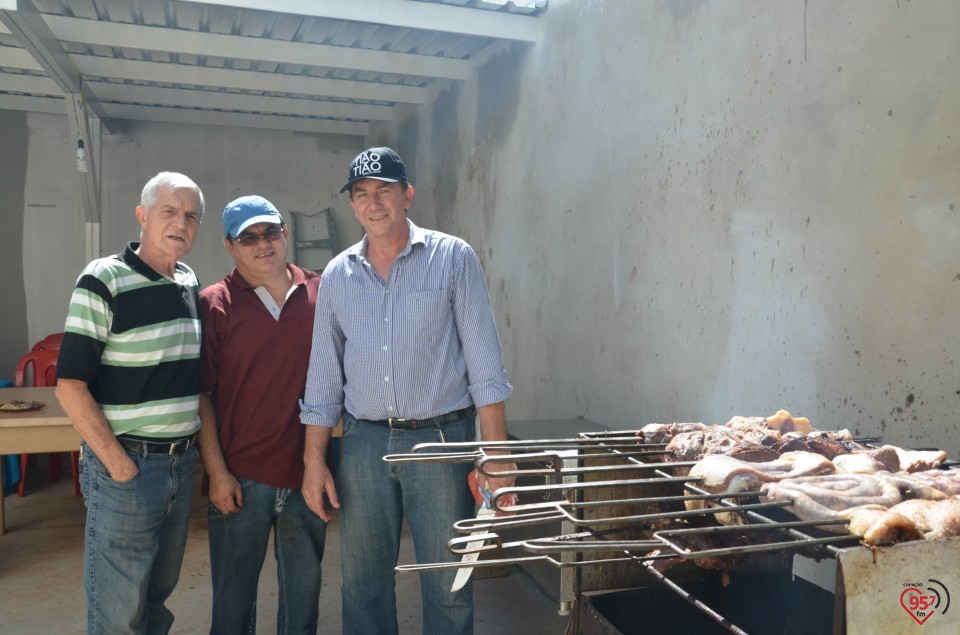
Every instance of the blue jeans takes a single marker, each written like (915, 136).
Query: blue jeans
(374, 498)
(135, 536)
(238, 546)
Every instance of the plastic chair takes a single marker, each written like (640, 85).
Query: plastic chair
(50, 342)
(39, 368)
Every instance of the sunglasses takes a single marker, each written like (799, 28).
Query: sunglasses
(249, 239)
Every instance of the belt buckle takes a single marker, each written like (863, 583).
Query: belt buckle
(391, 420)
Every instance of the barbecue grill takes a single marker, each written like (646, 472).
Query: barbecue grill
(607, 512)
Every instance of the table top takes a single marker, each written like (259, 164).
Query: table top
(50, 414)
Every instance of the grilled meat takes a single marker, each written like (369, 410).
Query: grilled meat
(822, 497)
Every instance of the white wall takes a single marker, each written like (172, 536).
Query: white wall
(686, 210)
(298, 172)
(690, 210)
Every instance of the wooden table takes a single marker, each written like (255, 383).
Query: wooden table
(37, 431)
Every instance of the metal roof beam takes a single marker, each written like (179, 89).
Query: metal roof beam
(217, 118)
(32, 84)
(403, 13)
(233, 101)
(51, 105)
(27, 26)
(153, 38)
(247, 80)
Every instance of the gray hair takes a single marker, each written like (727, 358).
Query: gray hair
(172, 181)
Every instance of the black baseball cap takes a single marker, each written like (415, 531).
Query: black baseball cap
(380, 163)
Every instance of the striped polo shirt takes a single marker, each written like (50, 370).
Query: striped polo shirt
(133, 335)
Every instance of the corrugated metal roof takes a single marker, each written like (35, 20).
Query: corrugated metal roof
(324, 66)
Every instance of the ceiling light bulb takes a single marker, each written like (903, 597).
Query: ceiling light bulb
(81, 157)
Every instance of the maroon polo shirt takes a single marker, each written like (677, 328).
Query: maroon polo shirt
(256, 367)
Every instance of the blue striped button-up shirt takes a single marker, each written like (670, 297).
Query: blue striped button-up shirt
(419, 345)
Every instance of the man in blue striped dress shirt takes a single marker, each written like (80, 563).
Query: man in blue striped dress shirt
(405, 348)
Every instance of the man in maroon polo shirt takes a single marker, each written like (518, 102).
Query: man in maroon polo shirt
(257, 326)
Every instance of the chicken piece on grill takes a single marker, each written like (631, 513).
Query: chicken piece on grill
(881, 526)
(823, 497)
(936, 519)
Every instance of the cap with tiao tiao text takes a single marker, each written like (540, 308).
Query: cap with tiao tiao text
(382, 164)
(246, 211)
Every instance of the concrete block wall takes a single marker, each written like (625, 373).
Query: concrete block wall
(686, 210)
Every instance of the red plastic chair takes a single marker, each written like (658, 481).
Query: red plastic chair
(39, 368)
(51, 341)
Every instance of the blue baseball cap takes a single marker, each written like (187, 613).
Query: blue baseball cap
(248, 210)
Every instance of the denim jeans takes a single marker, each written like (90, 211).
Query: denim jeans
(238, 546)
(374, 498)
(135, 536)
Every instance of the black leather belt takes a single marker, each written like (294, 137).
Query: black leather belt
(414, 424)
(147, 446)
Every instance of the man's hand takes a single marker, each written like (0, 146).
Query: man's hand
(494, 483)
(317, 481)
(493, 427)
(226, 494)
(125, 471)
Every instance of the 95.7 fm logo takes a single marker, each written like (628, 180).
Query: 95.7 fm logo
(924, 600)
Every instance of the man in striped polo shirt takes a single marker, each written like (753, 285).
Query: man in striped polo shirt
(128, 376)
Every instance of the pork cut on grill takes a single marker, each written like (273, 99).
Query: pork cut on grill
(828, 443)
(721, 474)
(881, 526)
(823, 497)
(936, 519)
(655, 433)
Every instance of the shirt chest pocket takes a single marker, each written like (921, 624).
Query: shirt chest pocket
(426, 314)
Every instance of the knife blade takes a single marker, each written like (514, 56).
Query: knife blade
(464, 573)
(483, 498)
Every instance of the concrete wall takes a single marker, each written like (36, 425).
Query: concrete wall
(686, 210)
(690, 210)
(298, 172)
(13, 170)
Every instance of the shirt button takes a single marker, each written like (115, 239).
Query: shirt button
(384, 348)
(386, 319)
(386, 379)
(389, 408)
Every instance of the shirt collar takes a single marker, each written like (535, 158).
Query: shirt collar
(297, 274)
(417, 236)
(135, 262)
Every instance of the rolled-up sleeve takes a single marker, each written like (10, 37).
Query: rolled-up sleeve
(322, 402)
(477, 329)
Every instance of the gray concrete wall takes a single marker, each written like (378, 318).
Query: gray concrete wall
(686, 210)
(13, 169)
(298, 172)
(690, 210)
